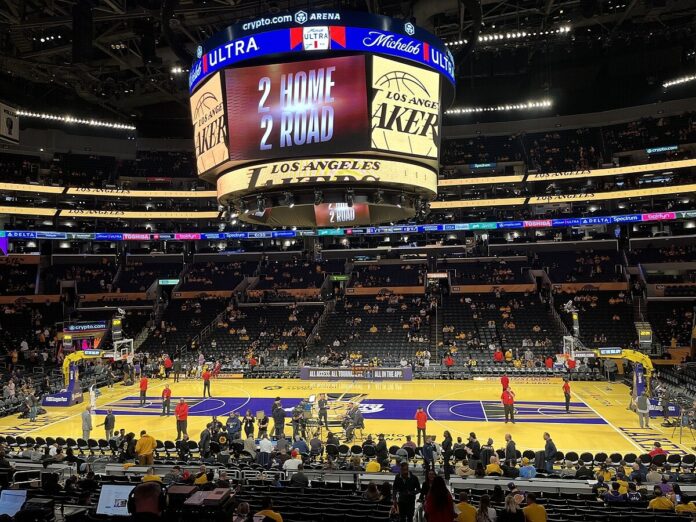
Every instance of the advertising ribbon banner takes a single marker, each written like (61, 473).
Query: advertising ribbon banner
(329, 171)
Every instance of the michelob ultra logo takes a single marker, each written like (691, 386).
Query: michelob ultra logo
(209, 126)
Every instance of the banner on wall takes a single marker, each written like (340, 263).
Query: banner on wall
(9, 123)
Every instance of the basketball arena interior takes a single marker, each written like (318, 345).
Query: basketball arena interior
(348, 261)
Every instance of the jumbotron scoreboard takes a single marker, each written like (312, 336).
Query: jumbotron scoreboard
(321, 118)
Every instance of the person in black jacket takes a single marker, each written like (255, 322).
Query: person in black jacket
(447, 453)
(278, 415)
(405, 490)
(549, 453)
(382, 450)
(474, 450)
(510, 451)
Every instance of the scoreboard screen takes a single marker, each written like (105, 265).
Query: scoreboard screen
(297, 109)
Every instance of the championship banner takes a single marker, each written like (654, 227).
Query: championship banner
(405, 109)
(297, 108)
(329, 171)
(9, 123)
(209, 124)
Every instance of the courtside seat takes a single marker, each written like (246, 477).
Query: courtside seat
(571, 458)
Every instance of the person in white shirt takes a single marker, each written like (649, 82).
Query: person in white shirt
(265, 444)
(292, 463)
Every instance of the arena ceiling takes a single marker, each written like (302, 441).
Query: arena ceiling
(617, 52)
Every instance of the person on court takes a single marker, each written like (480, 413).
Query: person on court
(206, 375)
(566, 394)
(143, 390)
(508, 400)
(421, 421)
(322, 405)
(166, 401)
(181, 413)
(505, 381)
(177, 369)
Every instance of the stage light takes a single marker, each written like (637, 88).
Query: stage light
(679, 81)
(79, 121)
(532, 104)
(318, 197)
(260, 204)
(350, 198)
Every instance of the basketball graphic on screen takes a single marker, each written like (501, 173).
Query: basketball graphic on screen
(405, 109)
(400, 81)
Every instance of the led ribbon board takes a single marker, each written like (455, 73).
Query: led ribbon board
(307, 32)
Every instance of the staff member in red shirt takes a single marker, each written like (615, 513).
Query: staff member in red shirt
(166, 401)
(566, 394)
(421, 420)
(508, 399)
(143, 390)
(449, 363)
(181, 413)
(549, 362)
(206, 382)
(505, 381)
(167, 366)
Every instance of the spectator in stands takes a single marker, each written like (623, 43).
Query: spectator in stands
(439, 506)
(493, 468)
(462, 469)
(173, 475)
(485, 512)
(527, 470)
(534, 512)
(659, 502)
(467, 512)
(146, 503)
(633, 495)
(267, 511)
(150, 476)
(614, 495)
(299, 478)
(512, 512)
(657, 450)
(406, 487)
